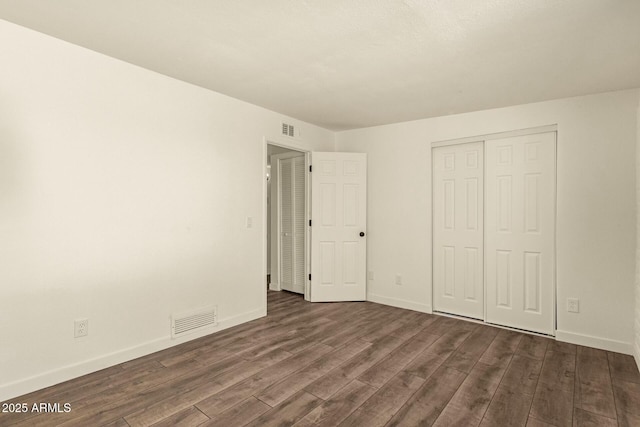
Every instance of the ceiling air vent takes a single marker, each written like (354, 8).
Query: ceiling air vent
(192, 321)
(288, 130)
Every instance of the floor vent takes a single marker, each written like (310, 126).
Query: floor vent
(191, 321)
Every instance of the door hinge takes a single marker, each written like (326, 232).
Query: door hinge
(309, 223)
(310, 168)
(309, 276)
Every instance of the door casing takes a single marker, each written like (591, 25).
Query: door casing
(276, 211)
(283, 143)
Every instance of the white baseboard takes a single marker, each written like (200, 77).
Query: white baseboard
(274, 287)
(595, 342)
(570, 337)
(65, 373)
(400, 303)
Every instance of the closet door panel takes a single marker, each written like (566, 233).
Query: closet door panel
(458, 274)
(520, 177)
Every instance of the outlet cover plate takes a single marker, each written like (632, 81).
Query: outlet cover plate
(573, 305)
(81, 328)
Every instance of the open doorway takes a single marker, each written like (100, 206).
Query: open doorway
(329, 262)
(286, 230)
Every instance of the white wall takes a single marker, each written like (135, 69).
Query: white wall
(596, 207)
(123, 198)
(124, 193)
(637, 313)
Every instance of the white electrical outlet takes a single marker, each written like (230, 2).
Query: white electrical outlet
(573, 305)
(370, 275)
(81, 328)
(249, 222)
(398, 280)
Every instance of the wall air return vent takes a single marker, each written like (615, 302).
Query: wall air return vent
(192, 321)
(288, 130)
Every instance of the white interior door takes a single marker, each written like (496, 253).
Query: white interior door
(520, 231)
(338, 231)
(458, 277)
(291, 221)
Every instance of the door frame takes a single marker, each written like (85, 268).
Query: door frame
(294, 146)
(276, 211)
(483, 139)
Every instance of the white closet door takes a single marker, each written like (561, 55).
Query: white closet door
(291, 180)
(457, 228)
(520, 230)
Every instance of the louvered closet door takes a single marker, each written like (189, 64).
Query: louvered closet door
(457, 227)
(291, 181)
(520, 231)
(298, 224)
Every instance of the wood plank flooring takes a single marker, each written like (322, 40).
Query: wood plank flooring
(353, 364)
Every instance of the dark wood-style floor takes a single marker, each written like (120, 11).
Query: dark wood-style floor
(354, 364)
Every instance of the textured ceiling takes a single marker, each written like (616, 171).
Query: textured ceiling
(345, 64)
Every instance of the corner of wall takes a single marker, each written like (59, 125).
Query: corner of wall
(636, 354)
(636, 347)
(335, 140)
(399, 303)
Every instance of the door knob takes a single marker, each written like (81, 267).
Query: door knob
(362, 234)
